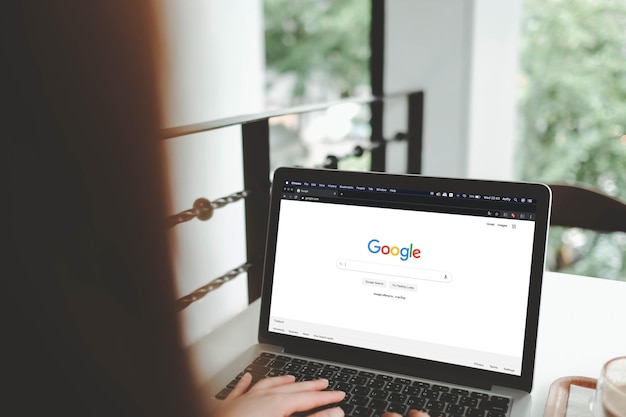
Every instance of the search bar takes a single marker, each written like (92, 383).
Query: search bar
(394, 270)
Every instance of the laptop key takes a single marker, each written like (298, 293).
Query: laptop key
(410, 390)
(261, 360)
(341, 377)
(480, 395)
(416, 402)
(359, 400)
(307, 370)
(325, 373)
(361, 412)
(462, 392)
(397, 408)
(276, 372)
(256, 369)
(347, 408)
(455, 409)
(474, 412)
(393, 387)
(435, 405)
(267, 355)
(498, 406)
(377, 404)
(344, 386)
(361, 390)
(441, 388)
(397, 397)
(468, 401)
(449, 398)
(257, 377)
(223, 393)
(376, 383)
(358, 380)
(430, 394)
(292, 367)
(502, 399)
(379, 394)
(276, 364)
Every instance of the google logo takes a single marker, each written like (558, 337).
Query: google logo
(404, 253)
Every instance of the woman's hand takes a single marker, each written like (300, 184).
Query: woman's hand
(279, 397)
(412, 413)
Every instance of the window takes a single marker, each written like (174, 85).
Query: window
(317, 52)
(573, 114)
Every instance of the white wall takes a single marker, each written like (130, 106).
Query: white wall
(493, 95)
(463, 54)
(214, 68)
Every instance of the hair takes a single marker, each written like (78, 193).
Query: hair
(92, 328)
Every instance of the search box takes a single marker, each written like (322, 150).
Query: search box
(394, 270)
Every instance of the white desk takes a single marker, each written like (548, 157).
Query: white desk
(580, 327)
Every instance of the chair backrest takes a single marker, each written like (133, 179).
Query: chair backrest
(582, 207)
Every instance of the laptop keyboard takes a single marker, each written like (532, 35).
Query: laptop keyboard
(370, 394)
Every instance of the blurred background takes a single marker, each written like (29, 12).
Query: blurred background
(531, 90)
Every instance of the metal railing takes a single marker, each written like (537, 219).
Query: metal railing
(255, 136)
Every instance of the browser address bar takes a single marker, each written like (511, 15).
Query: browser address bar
(394, 270)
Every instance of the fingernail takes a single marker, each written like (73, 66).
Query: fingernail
(335, 412)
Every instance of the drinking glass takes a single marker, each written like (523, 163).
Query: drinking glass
(609, 399)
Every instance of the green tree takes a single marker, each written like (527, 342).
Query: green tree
(324, 42)
(573, 112)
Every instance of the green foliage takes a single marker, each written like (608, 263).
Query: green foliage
(320, 41)
(574, 97)
(573, 110)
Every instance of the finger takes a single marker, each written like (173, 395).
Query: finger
(416, 413)
(275, 381)
(329, 412)
(412, 413)
(241, 387)
(304, 401)
(303, 386)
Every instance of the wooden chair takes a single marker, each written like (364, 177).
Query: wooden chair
(582, 207)
(576, 206)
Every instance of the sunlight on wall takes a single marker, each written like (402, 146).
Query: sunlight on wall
(215, 69)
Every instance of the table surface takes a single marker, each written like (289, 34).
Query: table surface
(579, 329)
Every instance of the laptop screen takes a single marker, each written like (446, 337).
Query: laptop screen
(435, 270)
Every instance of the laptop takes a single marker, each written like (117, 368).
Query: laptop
(405, 291)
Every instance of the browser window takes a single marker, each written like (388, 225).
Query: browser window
(431, 274)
